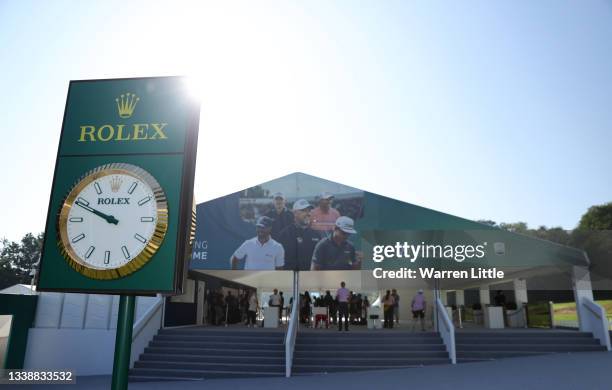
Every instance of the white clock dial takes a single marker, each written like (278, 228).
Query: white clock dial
(113, 221)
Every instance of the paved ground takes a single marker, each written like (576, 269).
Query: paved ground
(578, 371)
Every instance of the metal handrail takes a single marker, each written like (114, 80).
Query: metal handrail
(598, 323)
(448, 336)
(144, 320)
(291, 334)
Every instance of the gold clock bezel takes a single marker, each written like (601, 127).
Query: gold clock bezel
(152, 245)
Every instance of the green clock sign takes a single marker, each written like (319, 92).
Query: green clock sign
(120, 215)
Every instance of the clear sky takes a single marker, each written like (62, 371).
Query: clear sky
(482, 109)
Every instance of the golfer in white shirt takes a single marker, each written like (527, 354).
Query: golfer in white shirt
(260, 252)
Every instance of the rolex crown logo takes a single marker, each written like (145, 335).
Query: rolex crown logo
(115, 184)
(126, 104)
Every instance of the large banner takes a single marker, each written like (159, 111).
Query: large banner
(302, 222)
(296, 222)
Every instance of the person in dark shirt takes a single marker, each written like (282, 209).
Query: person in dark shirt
(330, 303)
(299, 239)
(281, 216)
(500, 298)
(336, 252)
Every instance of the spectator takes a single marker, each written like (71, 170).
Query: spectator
(275, 301)
(396, 299)
(500, 298)
(342, 295)
(418, 306)
(252, 309)
(388, 303)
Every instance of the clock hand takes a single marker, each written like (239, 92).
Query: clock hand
(107, 218)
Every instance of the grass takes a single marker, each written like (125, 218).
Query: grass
(567, 311)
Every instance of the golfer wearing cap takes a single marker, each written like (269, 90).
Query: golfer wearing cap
(298, 239)
(279, 214)
(324, 216)
(260, 252)
(336, 252)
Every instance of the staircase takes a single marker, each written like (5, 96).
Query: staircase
(197, 353)
(490, 345)
(332, 351)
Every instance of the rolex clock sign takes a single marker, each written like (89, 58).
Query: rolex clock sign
(120, 216)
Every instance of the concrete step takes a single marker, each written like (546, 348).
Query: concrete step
(182, 374)
(242, 367)
(498, 354)
(301, 368)
(525, 334)
(342, 339)
(529, 340)
(364, 335)
(218, 345)
(279, 352)
(151, 378)
(383, 354)
(245, 332)
(369, 348)
(239, 359)
(531, 347)
(225, 338)
(368, 362)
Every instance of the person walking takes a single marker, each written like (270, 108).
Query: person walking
(418, 306)
(388, 303)
(342, 296)
(252, 309)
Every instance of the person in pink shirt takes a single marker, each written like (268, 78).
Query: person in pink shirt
(323, 217)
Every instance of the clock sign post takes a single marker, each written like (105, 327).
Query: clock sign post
(121, 211)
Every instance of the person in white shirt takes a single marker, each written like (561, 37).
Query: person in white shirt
(276, 300)
(260, 252)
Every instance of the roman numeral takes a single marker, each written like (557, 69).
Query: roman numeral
(76, 219)
(82, 201)
(78, 238)
(125, 252)
(140, 238)
(144, 200)
(98, 189)
(132, 188)
(89, 252)
(147, 219)
(106, 257)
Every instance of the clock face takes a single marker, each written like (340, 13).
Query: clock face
(113, 221)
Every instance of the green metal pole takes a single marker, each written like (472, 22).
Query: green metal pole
(123, 342)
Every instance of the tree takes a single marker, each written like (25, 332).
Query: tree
(597, 218)
(18, 258)
(594, 235)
